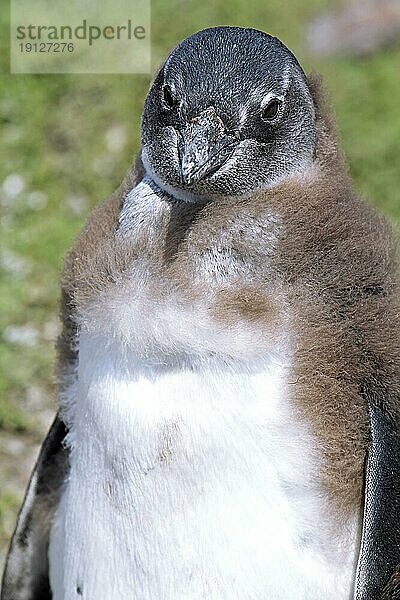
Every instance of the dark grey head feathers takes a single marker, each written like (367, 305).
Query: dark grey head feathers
(229, 112)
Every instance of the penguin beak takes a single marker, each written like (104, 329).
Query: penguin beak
(205, 146)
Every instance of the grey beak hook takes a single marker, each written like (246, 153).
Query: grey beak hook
(205, 146)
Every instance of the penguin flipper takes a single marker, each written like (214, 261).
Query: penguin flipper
(26, 574)
(378, 574)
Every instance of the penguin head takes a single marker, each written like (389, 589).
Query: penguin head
(229, 113)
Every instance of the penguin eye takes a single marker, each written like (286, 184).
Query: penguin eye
(270, 111)
(168, 97)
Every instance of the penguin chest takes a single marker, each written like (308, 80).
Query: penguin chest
(192, 481)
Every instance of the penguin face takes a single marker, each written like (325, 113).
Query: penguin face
(229, 113)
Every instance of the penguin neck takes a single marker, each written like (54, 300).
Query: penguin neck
(307, 170)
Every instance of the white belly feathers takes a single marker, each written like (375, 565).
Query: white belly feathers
(190, 482)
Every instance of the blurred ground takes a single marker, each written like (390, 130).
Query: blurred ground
(358, 28)
(66, 142)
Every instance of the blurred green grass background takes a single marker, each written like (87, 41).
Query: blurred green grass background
(66, 142)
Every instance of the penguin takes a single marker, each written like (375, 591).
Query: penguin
(229, 363)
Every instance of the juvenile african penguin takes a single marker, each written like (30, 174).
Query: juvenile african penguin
(229, 365)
